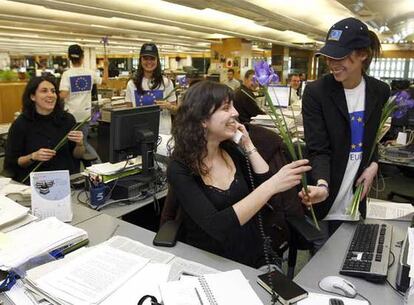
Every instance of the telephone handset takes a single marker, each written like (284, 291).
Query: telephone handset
(237, 136)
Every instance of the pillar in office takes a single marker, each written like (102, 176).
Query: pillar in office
(231, 53)
(280, 61)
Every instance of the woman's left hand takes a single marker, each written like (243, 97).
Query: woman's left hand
(163, 104)
(76, 136)
(367, 177)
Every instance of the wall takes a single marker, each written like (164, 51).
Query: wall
(10, 100)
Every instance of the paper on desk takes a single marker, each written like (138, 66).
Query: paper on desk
(19, 295)
(145, 282)
(381, 209)
(92, 277)
(180, 266)
(323, 299)
(135, 247)
(113, 168)
(410, 255)
(12, 188)
(10, 211)
(4, 181)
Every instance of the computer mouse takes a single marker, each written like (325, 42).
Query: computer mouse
(338, 285)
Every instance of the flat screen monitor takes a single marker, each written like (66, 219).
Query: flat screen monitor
(134, 132)
(279, 95)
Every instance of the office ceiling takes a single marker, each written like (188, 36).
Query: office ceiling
(189, 26)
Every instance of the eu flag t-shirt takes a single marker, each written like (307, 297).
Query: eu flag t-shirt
(355, 100)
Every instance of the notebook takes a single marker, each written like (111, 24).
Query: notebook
(223, 288)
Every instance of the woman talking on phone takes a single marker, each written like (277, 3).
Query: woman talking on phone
(211, 179)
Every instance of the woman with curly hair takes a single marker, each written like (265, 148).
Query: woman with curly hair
(211, 179)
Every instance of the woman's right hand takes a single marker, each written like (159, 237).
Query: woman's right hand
(43, 154)
(288, 176)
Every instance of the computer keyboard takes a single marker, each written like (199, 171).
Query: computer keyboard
(368, 252)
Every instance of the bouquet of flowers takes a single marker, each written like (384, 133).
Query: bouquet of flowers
(265, 75)
(388, 110)
(62, 142)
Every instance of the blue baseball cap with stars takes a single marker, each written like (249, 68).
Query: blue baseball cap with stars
(344, 37)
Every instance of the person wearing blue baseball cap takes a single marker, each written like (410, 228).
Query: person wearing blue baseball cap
(341, 115)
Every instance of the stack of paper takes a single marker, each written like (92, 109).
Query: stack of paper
(381, 209)
(324, 299)
(35, 239)
(13, 215)
(106, 172)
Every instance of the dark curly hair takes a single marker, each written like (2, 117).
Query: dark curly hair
(188, 135)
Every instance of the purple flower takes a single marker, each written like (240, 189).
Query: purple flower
(96, 116)
(105, 40)
(404, 102)
(264, 74)
(182, 81)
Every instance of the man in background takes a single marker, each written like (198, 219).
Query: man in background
(231, 81)
(294, 83)
(244, 99)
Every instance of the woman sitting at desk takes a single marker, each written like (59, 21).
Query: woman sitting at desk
(40, 127)
(211, 177)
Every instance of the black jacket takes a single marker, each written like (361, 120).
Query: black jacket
(328, 132)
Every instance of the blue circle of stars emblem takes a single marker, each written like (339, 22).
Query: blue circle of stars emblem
(141, 97)
(82, 83)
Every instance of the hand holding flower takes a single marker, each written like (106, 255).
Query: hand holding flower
(43, 154)
(315, 194)
(367, 177)
(76, 136)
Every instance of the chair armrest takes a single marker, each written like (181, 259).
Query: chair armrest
(167, 234)
(304, 228)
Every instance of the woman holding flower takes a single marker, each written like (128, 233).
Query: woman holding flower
(341, 115)
(212, 181)
(40, 127)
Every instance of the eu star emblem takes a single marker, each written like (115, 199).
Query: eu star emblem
(148, 97)
(357, 131)
(335, 35)
(80, 83)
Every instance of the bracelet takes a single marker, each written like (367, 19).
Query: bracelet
(323, 185)
(249, 152)
(31, 158)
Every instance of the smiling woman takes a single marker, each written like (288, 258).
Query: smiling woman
(211, 177)
(42, 124)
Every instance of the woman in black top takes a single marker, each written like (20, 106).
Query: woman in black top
(210, 178)
(40, 127)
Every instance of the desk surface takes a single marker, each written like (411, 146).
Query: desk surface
(327, 261)
(102, 227)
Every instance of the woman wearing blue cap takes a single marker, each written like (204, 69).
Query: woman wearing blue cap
(341, 114)
(150, 87)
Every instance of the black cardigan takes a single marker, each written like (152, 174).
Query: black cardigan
(328, 133)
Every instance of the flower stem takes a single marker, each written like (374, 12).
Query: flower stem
(59, 145)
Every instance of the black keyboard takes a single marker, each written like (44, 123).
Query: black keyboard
(368, 252)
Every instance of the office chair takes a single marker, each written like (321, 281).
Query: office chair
(285, 223)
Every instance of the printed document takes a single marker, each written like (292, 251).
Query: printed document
(381, 209)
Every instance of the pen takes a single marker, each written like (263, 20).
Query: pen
(198, 295)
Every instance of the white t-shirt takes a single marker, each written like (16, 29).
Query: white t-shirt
(294, 98)
(149, 96)
(355, 99)
(78, 81)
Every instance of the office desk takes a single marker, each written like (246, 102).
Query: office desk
(103, 227)
(327, 261)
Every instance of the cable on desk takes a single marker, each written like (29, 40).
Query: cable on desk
(389, 266)
(366, 299)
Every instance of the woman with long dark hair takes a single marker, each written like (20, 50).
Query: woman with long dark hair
(38, 129)
(212, 179)
(341, 115)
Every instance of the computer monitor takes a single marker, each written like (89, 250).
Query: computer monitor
(280, 95)
(134, 132)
